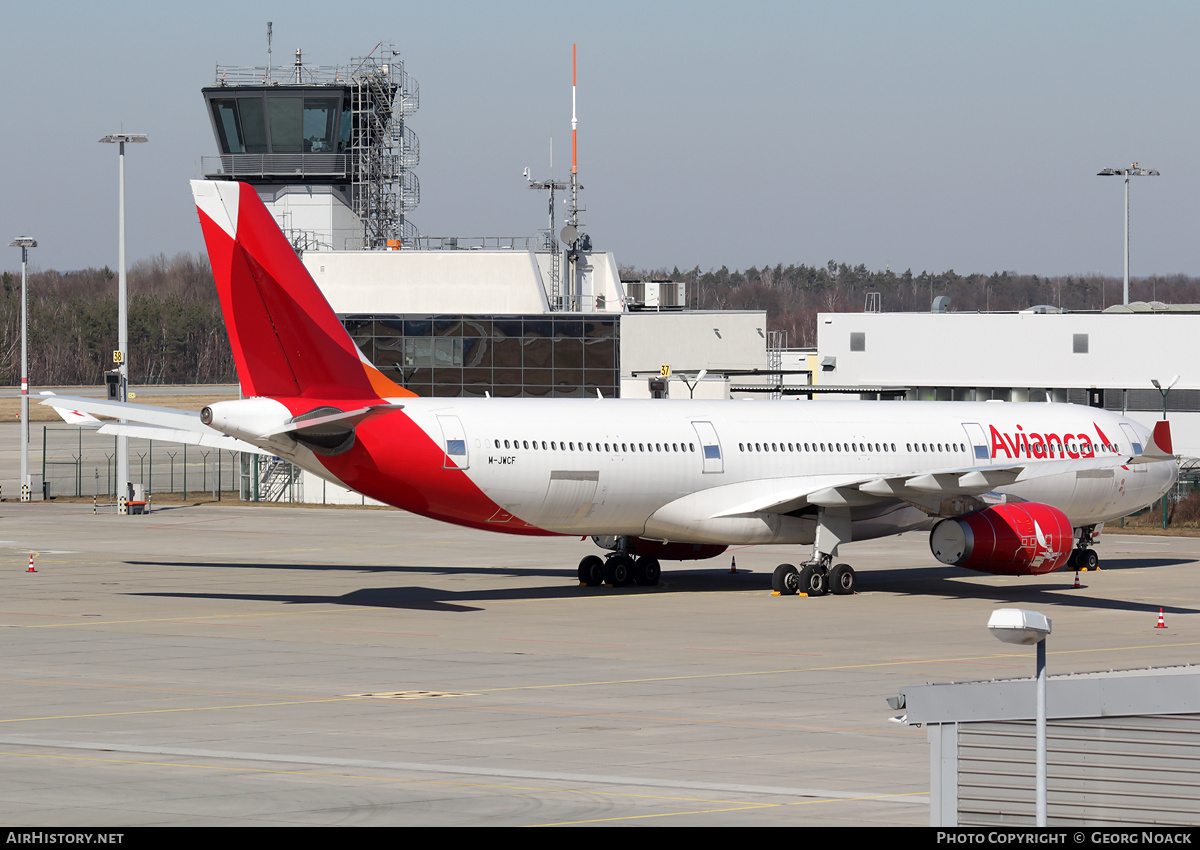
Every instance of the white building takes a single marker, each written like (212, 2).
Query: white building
(1104, 359)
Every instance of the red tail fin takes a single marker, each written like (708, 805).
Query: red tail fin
(1162, 438)
(286, 339)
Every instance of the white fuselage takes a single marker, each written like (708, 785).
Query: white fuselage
(758, 471)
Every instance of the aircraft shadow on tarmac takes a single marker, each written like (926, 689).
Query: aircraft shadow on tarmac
(946, 582)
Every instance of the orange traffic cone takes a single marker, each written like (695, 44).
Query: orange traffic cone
(1076, 579)
(1161, 623)
(733, 565)
(31, 569)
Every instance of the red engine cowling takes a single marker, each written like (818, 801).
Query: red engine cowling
(1021, 538)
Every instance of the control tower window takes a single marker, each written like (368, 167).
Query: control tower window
(303, 124)
(344, 134)
(240, 125)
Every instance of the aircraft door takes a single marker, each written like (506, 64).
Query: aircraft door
(454, 443)
(710, 446)
(1135, 442)
(981, 449)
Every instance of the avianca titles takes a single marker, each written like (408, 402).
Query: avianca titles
(1013, 488)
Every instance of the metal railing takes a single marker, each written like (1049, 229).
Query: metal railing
(276, 164)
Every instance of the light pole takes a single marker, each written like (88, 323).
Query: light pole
(1134, 170)
(24, 243)
(121, 355)
(1163, 392)
(1018, 625)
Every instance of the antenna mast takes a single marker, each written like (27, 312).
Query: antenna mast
(571, 234)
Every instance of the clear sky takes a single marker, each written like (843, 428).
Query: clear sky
(930, 135)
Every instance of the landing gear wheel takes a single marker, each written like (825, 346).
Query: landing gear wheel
(813, 581)
(785, 580)
(617, 570)
(591, 571)
(646, 571)
(842, 580)
(1089, 559)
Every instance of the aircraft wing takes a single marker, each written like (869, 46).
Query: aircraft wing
(783, 495)
(168, 424)
(946, 492)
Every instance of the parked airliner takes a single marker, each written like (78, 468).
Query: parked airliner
(1011, 488)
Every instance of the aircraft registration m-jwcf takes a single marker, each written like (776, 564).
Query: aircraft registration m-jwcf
(1010, 488)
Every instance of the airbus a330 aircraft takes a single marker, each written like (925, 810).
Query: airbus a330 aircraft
(1018, 488)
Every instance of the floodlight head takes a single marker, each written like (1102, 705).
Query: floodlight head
(1134, 170)
(23, 242)
(1019, 625)
(113, 138)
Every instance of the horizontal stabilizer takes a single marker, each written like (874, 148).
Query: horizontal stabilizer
(155, 423)
(72, 416)
(332, 422)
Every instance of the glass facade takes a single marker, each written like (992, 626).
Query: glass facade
(542, 356)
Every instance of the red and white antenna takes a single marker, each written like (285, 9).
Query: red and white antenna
(574, 123)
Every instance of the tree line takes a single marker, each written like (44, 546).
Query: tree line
(793, 295)
(176, 332)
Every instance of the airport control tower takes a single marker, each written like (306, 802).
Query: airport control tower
(327, 147)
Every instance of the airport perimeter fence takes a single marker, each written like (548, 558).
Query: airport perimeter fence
(79, 461)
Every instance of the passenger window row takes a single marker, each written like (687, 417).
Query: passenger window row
(571, 446)
(854, 448)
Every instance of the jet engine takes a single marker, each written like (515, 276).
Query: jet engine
(1019, 538)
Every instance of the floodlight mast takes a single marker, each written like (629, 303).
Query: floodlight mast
(1134, 170)
(24, 243)
(122, 365)
(1022, 626)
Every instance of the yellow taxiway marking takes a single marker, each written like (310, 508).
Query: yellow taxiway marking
(818, 668)
(193, 618)
(273, 704)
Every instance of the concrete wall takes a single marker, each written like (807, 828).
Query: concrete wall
(691, 341)
(492, 282)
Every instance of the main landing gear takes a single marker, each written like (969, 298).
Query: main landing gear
(819, 576)
(618, 570)
(814, 579)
